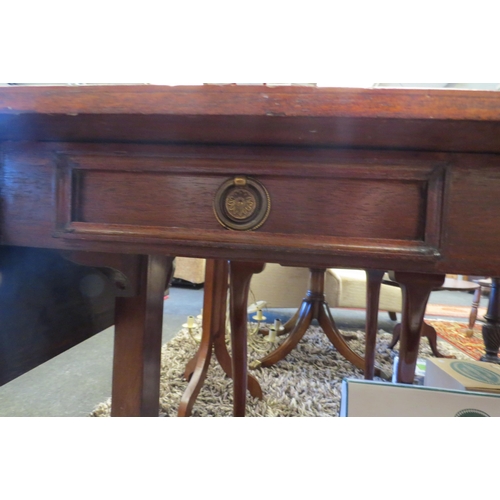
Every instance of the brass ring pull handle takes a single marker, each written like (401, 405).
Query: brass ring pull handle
(242, 204)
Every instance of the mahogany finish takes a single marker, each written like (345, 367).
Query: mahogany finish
(416, 289)
(373, 283)
(314, 306)
(428, 330)
(213, 337)
(362, 178)
(240, 274)
(137, 347)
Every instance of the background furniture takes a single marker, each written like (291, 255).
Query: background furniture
(491, 327)
(314, 306)
(281, 286)
(482, 284)
(126, 178)
(190, 270)
(285, 287)
(428, 330)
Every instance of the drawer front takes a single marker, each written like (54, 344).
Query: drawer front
(472, 215)
(323, 205)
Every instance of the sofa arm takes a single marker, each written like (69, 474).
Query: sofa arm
(191, 270)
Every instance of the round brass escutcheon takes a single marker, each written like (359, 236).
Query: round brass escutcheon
(242, 204)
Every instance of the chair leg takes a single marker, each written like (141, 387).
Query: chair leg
(473, 312)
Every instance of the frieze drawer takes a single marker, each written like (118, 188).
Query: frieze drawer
(176, 198)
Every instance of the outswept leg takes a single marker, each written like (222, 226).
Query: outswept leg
(416, 290)
(314, 307)
(300, 328)
(213, 337)
(427, 331)
(240, 274)
(328, 325)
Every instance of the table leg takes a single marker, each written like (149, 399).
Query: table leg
(314, 307)
(374, 281)
(290, 324)
(328, 325)
(240, 274)
(427, 331)
(491, 330)
(416, 290)
(214, 324)
(213, 338)
(473, 312)
(298, 331)
(224, 359)
(137, 348)
(430, 332)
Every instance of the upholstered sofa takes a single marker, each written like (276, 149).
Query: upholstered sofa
(190, 270)
(285, 287)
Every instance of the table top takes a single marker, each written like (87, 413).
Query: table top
(417, 119)
(458, 285)
(486, 282)
(363, 178)
(449, 284)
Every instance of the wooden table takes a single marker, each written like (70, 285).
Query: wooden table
(429, 331)
(125, 178)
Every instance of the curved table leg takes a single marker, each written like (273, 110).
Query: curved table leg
(213, 337)
(214, 317)
(416, 290)
(202, 362)
(315, 307)
(327, 323)
(430, 332)
(427, 331)
(191, 365)
(287, 327)
(396, 334)
(473, 312)
(305, 318)
(290, 324)
(240, 274)
(224, 359)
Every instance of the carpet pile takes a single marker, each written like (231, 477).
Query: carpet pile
(307, 383)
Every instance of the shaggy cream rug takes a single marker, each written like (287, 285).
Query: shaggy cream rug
(307, 383)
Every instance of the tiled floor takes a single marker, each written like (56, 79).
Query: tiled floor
(73, 383)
